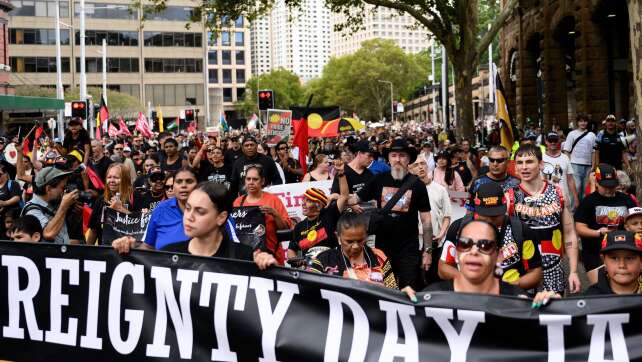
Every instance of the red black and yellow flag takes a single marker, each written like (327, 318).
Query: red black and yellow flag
(322, 121)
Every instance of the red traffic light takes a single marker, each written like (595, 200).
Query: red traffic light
(78, 105)
(189, 112)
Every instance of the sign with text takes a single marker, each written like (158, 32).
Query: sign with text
(90, 304)
(292, 195)
(117, 224)
(278, 126)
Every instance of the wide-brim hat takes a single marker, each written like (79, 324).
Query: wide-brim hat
(402, 145)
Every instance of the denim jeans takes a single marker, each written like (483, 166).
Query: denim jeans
(580, 175)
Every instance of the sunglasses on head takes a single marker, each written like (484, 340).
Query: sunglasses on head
(497, 160)
(483, 245)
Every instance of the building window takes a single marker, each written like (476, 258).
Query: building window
(38, 8)
(114, 65)
(107, 11)
(239, 22)
(227, 94)
(240, 76)
(213, 75)
(225, 38)
(162, 39)
(226, 57)
(37, 64)
(227, 76)
(117, 38)
(239, 38)
(239, 56)
(171, 13)
(174, 94)
(240, 94)
(37, 36)
(212, 57)
(171, 65)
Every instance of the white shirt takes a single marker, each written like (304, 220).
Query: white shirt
(583, 152)
(440, 206)
(556, 170)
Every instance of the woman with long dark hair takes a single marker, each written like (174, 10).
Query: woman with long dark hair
(445, 175)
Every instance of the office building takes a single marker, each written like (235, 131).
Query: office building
(383, 23)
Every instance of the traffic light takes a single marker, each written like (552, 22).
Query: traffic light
(266, 99)
(189, 115)
(79, 109)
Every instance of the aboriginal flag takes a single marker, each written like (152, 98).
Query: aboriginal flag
(320, 120)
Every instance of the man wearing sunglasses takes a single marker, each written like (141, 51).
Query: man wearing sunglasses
(520, 259)
(291, 168)
(497, 173)
(147, 199)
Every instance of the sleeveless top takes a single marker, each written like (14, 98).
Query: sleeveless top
(312, 179)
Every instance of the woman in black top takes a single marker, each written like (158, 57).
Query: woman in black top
(320, 169)
(204, 218)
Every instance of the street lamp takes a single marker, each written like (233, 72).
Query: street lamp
(392, 107)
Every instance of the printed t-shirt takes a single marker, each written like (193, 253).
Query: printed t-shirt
(376, 269)
(320, 232)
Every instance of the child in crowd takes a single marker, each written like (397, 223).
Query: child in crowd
(633, 220)
(622, 256)
(26, 229)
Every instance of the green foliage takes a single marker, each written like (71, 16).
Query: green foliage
(286, 85)
(353, 81)
(119, 104)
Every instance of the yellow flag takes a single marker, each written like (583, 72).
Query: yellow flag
(506, 130)
(161, 128)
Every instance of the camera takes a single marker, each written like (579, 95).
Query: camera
(83, 196)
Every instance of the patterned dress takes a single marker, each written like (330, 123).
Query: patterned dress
(543, 213)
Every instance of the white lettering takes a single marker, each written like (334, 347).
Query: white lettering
(458, 343)
(221, 301)
(360, 331)
(134, 317)
(614, 323)
(90, 339)
(58, 300)
(271, 321)
(409, 350)
(181, 318)
(555, 329)
(16, 296)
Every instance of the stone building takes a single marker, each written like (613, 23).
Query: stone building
(562, 57)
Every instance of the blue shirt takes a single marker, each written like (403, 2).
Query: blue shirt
(377, 167)
(165, 225)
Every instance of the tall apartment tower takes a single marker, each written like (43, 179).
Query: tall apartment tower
(294, 39)
(383, 23)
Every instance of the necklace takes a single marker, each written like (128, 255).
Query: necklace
(351, 273)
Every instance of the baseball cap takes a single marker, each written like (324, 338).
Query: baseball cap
(530, 135)
(127, 149)
(48, 174)
(489, 200)
(621, 240)
(606, 175)
(632, 212)
(552, 136)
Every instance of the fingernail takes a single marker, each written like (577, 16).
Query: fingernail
(534, 305)
(414, 299)
(545, 302)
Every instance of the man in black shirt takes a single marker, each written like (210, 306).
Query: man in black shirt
(99, 162)
(397, 234)
(251, 158)
(356, 171)
(76, 138)
(291, 168)
(146, 199)
(609, 148)
(211, 166)
(233, 151)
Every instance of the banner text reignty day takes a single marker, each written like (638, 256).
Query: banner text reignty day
(21, 297)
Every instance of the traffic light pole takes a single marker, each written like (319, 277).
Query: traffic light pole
(59, 89)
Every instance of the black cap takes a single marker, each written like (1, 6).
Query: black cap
(402, 145)
(552, 136)
(606, 175)
(621, 240)
(363, 146)
(489, 200)
(75, 121)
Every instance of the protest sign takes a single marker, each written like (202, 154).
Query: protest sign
(117, 224)
(249, 223)
(278, 126)
(292, 195)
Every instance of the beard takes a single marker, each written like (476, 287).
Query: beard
(398, 172)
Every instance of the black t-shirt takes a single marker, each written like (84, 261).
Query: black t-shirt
(101, 167)
(228, 249)
(597, 211)
(270, 173)
(449, 286)
(320, 232)
(146, 200)
(70, 143)
(221, 175)
(141, 183)
(400, 224)
(290, 177)
(171, 167)
(355, 180)
(10, 189)
(516, 261)
(231, 156)
(610, 147)
(464, 172)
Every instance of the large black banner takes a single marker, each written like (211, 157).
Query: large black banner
(83, 303)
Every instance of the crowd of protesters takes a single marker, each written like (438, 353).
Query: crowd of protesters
(554, 210)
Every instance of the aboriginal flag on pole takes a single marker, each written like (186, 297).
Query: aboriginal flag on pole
(320, 120)
(507, 129)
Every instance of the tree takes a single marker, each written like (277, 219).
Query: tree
(635, 26)
(455, 24)
(353, 81)
(286, 85)
(119, 104)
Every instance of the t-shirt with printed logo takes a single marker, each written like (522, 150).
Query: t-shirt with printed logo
(320, 232)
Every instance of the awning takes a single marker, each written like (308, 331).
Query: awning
(8, 102)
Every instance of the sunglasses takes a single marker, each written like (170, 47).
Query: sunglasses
(169, 187)
(496, 160)
(211, 150)
(118, 149)
(483, 245)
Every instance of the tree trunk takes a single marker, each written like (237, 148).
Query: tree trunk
(464, 101)
(635, 25)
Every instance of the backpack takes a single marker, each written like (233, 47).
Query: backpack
(21, 203)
